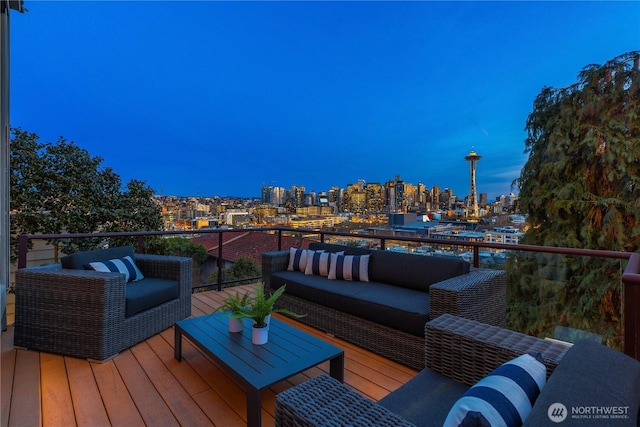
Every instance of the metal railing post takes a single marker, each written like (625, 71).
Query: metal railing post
(220, 261)
(140, 240)
(23, 244)
(279, 239)
(631, 313)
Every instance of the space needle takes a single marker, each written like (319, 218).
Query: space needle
(472, 206)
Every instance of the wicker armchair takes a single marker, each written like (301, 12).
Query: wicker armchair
(81, 313)
(456, 348)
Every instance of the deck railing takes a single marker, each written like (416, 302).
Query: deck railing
(630, 279)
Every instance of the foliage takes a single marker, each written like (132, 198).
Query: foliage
(243, 268)
(235, 305)
(581, 189)
(261, 305)
(177, 246)
(59, 187)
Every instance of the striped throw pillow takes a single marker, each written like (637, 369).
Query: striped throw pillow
(318, 263)
(297, 259)
(349, 267)
(124, 265)
(502, 398)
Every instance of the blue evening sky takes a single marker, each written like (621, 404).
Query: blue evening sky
(219, 98)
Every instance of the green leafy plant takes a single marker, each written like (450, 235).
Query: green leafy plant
(579, 189)
(261, 306)
(235, 305)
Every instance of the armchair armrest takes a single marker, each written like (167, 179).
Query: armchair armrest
(479, 295)
(68, 311)
(53, 289)
(168, 267)
(467, 350)
(273, 262)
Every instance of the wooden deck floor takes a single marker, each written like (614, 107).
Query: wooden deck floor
(146, 386)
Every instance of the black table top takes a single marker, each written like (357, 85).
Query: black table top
(288, 351)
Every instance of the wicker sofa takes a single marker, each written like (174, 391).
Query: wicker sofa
(588, 379)
(67, 309)
(387, 314)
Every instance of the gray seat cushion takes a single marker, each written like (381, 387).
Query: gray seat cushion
(148, 293)
(78, 260)
(591, 377)
(398, 308)
(426, 399)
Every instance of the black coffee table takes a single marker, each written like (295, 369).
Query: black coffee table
(288, 352)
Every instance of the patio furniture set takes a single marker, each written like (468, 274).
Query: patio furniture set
(97, 303)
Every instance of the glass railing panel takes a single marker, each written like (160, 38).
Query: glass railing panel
(565, 297)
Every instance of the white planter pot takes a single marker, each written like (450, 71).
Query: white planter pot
(259, 336)
(235, 325)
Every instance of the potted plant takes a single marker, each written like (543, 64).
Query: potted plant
(259, 309)
(235, 306)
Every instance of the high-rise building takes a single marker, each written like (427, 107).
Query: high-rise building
(274, 196)
(435, 197)
(395, 195)
(374, 197)
(355, 198)
(335, 196)
(484, 200)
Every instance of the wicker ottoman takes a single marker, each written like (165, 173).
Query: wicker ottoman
(325, 401)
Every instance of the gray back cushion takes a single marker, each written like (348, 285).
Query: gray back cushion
(591, 375)
(330, 247)
(413, 271)
(78, 260)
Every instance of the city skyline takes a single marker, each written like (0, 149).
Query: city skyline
(209, 97)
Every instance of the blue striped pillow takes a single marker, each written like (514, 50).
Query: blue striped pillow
(502, 398)
(318, 263)
(297, 259)
(124, 265)
(349, 267)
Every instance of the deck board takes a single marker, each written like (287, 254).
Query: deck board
(143, 391)
(145, 385)
(120, 406)
(7, 370)
(87, 402)
(57, 407)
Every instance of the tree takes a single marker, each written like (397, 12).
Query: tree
(59, 187)
(581, 189)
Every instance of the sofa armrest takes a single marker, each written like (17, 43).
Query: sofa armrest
(273, 262)
(467, 350)
(325, 401)
(479, 295)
